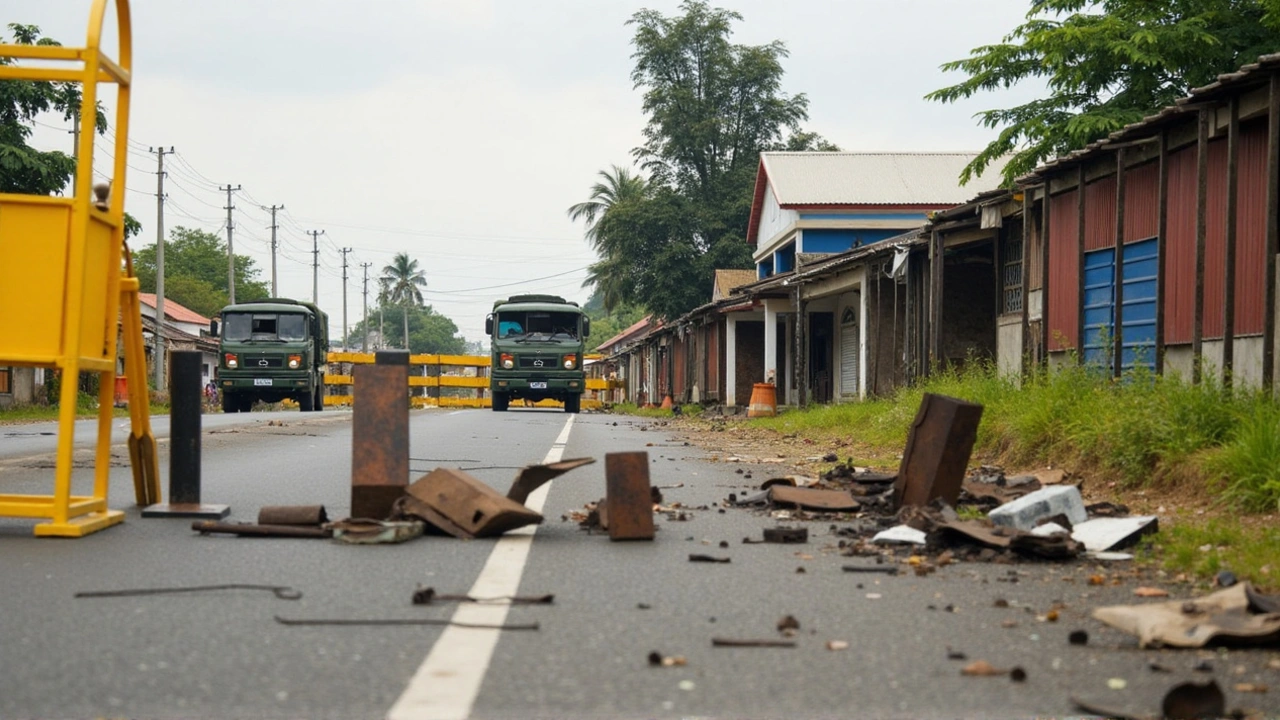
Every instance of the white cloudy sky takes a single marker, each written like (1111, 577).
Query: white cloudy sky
(460, 131)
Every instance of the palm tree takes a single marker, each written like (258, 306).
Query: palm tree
(617, 185)
(403, 280)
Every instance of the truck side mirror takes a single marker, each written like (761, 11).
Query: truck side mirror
(213, 328)
(488, 325)
(586, 327)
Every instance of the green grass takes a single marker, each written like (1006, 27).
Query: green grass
(1202, 549)
(86, 407)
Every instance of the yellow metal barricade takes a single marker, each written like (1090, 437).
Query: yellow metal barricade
(62, 282)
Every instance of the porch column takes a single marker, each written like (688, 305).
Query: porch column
(771, 343)
(730, 361)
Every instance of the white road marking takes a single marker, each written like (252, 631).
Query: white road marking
(447, 683)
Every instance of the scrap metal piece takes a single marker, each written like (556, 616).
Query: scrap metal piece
(730, 642)
(534, 476)
(708, 558)
(886, 569)
(786, 535)
(813, 499)
(361, 531)
(628, 503)
(380, 434)
(206, 527)
(937, 452)
(404, 621)
(283, 592)
(464, 506)
(1236, 615)
(292, 515)
(427, 596)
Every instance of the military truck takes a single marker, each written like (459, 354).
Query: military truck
(536, 343)
(270, 350)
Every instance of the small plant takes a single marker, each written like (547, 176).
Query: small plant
(1247, 466)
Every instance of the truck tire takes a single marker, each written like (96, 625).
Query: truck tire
(572, 403)
(306, 402)
(319, 399)
(500, 401)
(230, 402)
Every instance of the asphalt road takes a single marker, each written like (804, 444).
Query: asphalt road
(223, 655)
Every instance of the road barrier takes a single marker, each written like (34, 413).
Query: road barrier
(441, 381)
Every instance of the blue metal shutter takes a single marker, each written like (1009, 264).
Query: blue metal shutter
(1138, 320)
(1099, 306)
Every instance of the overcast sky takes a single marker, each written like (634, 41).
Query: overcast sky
(460, 132)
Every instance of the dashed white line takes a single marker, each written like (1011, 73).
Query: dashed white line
(447, 683)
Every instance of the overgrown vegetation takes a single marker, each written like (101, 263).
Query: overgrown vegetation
(1141, 429)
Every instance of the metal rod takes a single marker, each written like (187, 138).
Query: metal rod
(404, 621)
(282, 592)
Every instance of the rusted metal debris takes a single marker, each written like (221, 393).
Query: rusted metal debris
(813, 499)
(403, 621)
(628, 502)
(937, 451)
(282, 592)
(1183, 701)
(708, 558)
(532, 477)
(209, 527)
(786, 535)
(427, 596)
(292, 515)
(380, 435)
(731, 642)
(885, 569)
(360, 531)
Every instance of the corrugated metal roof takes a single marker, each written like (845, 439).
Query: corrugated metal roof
(727, 280)
(174, 310)
(630, 333)
(874, 178)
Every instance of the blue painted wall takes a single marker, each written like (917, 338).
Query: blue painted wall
(841, 240)
(915, 218)
(784, 259)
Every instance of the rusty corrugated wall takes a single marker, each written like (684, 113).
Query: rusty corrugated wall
(1215, 240)
(680, 356)
(1251, 229)
(711, 387)
(1180, 248)
(1141, 202)
(1100, 214)
(1064, 271)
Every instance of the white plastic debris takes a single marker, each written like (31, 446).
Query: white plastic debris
(900, 535)
(1029, 509)
(1048, 529)
(1101, 534)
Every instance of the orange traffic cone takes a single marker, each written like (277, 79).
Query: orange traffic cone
(666, 402)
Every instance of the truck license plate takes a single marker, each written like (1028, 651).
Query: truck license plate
(537, 386)
(262, 381)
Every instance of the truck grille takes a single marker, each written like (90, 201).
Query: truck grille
(546, 362)
(263, 362)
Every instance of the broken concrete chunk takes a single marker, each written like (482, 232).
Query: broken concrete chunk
(1111, 533)
(900, 535)
(1024, 512)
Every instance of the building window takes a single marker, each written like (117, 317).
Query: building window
(1011, 272)
(6, 384)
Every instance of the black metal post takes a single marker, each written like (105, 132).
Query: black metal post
(184, 442)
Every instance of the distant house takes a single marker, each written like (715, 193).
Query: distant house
(184, 329)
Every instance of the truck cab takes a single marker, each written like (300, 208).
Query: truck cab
(536, 343)
(270, 350)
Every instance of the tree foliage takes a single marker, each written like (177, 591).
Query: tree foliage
(429, 332)
(195, 271)
(1106, 64)
(401, 284)
(713, 106)
(605, 324)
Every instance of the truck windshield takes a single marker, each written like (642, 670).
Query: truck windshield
(265, 327)
(538, 325)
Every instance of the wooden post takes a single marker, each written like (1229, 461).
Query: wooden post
(1273, 237)
(1202, 201)
(1229, 265)
(1026, 277)
(1117, 361)
(1044, 274)
(1162, 246)
(1080, 264)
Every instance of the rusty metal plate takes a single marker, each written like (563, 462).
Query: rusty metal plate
(380, 438)
(813, 499)
(937, 453)
(628, 499)
(292, 515)
(464, 506)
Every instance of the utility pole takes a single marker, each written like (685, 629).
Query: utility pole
(315, 264)
(75, 148)
(231, 255)
(344, 298)
(274, 291)
(159, 354)
(364, 344)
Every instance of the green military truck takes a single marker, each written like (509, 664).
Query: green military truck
(270, 350)
(536, 343)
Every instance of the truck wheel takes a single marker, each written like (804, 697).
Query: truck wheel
(319, 399)
(246, 403)
(572, 403)
(500, 402)
(230, 403)
(306, 402)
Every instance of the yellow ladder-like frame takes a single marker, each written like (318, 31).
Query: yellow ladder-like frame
(64, 283)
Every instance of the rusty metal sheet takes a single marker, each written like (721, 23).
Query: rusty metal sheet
(532, 477)
(937, 453)
(628, 499)
(464, 506)
(380, 435)
(813, 499)
(292, 515)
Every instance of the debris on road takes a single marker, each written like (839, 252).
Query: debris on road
(1112, 533)
(837, 644)
(1236, 615)
(657, 659)
(282, 592)
(215, 527)
(937, 452)
(292, 515)
(786, 535)
(360, 531)
(1185, 700)
(708, 559)
(428, 596)
(730, 642)
(900, 535)
(886, 569)
(1027, 511)
(403, 621)
(812, 498)
(628, 501)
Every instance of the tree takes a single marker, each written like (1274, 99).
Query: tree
(606, 323)
(195, 271)
(713, 107)
(618, 184)
(429, 332)
(403, 281)
(1106, 64)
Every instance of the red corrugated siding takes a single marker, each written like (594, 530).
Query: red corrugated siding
(713, 360)
(1215, 240)
(1251, 229)
(1180, 247)
(1064, 271)
(1033, 257)
(1141, 202)
(1100, 214)
(681, 353)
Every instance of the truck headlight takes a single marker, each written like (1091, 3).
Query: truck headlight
(570, 362)
(508, 361)
(295, 362)
(231, 360)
